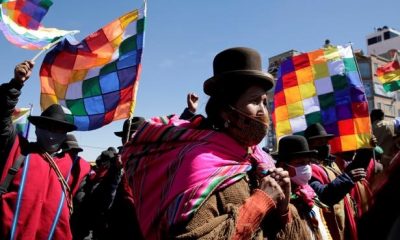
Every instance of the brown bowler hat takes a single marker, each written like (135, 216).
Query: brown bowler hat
(236, 66)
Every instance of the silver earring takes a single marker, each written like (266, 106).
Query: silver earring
(226, 123)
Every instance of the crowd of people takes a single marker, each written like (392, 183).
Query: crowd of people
(196, 177)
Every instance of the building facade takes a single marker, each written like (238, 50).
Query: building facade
(382, 41)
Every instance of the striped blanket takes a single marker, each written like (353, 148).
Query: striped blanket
(173, 166)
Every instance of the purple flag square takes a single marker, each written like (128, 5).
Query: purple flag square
(329, 115)
(344, 111)
(332, 128)
(357, 95)
(287, 66)
(96, 121)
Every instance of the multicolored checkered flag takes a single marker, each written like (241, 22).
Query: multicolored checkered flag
(96, 80)
(323, 86)
(20, 24)
(20, 120)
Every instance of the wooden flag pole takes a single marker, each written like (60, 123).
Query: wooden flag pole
(129, 129)
(48, 46)
(29, 123)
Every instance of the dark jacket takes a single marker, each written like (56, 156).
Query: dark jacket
(333, 192)
(187, 114)
(106, 205)
(9, 93)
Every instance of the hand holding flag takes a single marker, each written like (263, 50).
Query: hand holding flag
(23, 71)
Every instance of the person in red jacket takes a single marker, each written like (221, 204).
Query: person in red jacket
(38, 181)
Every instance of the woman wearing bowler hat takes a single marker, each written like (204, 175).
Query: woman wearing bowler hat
(207, 178)
(37, 183)
(307, 211)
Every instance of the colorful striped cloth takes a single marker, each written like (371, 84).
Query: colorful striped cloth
(27, 13)
(96, 80)
(20, 24)
(389, 75)
(323, 86)
(173, 168)
(20, 121)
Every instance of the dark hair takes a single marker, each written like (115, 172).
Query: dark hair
(376, 114)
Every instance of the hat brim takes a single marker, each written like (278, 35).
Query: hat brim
(73, 148)
(281, 157)
(44, 122)
(121, 134)
(264, 79)
(328, 136)
(118, 134)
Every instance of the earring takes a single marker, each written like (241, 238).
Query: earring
(226, 123)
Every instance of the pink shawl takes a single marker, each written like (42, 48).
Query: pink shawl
(173, 167)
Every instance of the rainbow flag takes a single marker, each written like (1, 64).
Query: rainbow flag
(96, 80)
(389, 75)
(20, 121)
(20, 24)
(323, 86)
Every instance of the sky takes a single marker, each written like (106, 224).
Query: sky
(183, 36)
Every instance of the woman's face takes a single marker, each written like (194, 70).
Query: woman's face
(253, 102)
(248, 120)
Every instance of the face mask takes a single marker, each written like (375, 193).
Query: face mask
(303, 174)
(50, 141)
(249, 130)
(323, 151)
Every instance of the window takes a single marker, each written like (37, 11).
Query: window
(388, 109)
(379, 105)
(376, 65)
(374, 40)
(389, 35)
(365, 70)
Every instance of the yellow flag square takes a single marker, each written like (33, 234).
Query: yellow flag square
(292, 95)
(295, 109)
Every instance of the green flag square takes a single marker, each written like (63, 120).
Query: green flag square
(91, 87)
(69, 118)
(326, 100)
(349, 64)
(77, 107)
(314, 117)
(108, 68)
(140, 25)
(128, 45)
(339, 82)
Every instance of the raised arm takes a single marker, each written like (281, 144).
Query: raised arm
(9, 94)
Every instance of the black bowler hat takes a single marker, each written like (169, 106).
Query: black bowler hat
(52, 116)
(71, 143)
(293, 146)
(234, 67)
(135, 123)
(315, 131)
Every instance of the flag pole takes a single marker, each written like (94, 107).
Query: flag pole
(359, 75)
(48, 46)
(134, 91)
(29, 123)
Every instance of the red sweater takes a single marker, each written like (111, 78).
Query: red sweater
(29, 209)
